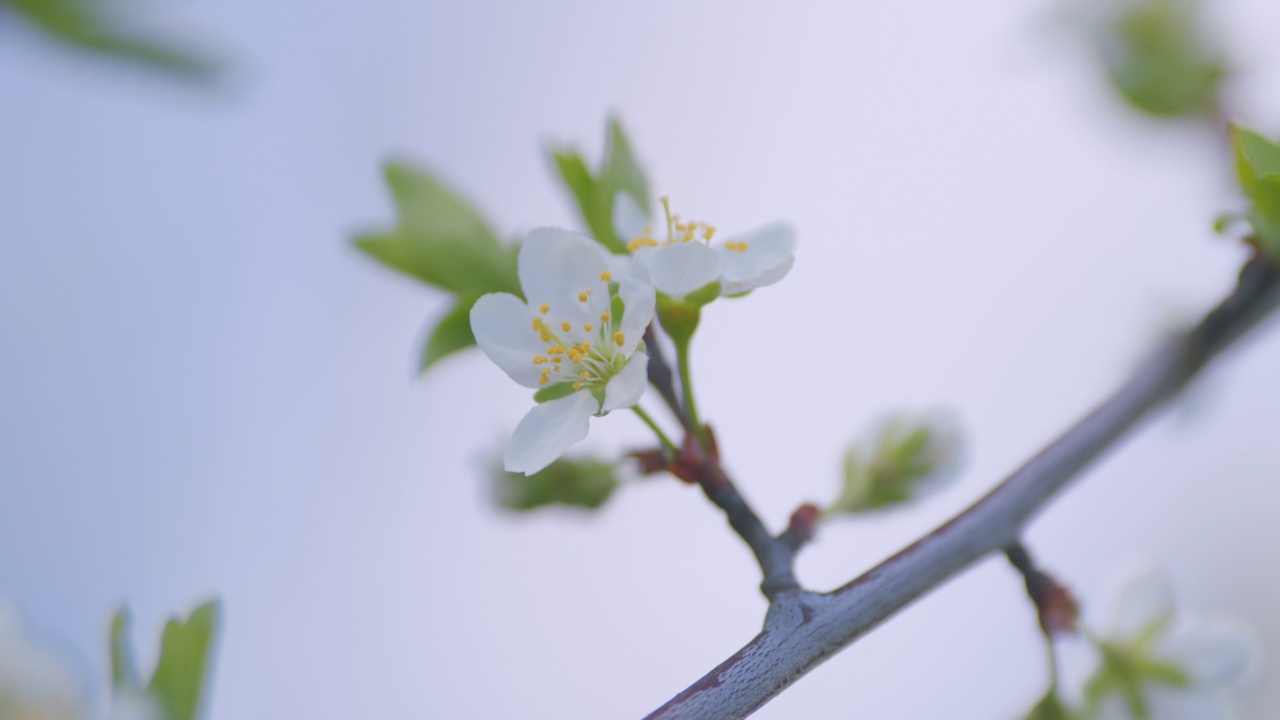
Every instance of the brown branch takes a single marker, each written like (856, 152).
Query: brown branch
(802, 628)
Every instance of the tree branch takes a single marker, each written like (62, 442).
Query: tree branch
(802, 628)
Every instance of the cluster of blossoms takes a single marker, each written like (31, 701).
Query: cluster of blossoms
(577, 336)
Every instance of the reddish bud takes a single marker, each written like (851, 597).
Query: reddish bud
(803, 521)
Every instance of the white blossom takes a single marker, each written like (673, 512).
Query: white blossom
(1156, 668)
(686, 257)
(577, 340)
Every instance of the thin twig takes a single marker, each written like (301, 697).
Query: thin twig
(802, 629)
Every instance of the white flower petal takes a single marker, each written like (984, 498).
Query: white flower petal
(548, 430)
(637, 299)
(503, 327)
(629, 219)
(681, 268)
(768, 278)
(555, 265)
(1145, 599)
(624, 389)
(1214, 653)
(769, 256)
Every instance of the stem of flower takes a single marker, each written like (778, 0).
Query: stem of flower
(686, 384)
(662, 436)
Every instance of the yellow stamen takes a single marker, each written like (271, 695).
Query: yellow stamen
(619, 337)
(565, 326)
(544, 380)
(606, 276)
(586, 327)
(539, 360)
(584, 375)
(708, 231)
(557, 368)
(577, 386)
(604, 317)
(582, 297)
(545, 308)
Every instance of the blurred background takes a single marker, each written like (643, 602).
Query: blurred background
(204, 389)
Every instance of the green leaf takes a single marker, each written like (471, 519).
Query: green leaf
(451, 334)
(584, 483)
(124, 672)
(94, 26)
(185, 658)
(1157, 58)
(595, 194)
(1258, 169)
(441, 239)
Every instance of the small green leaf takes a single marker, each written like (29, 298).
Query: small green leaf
(441, 239)
(583, 482)
(186, 650)
(124, 673)
(1157, 58)
(621, 171)
(97, 27)
(1258, 169)
(451, 334)
(596, 193)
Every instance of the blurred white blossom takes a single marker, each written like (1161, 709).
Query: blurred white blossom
(1156, 668)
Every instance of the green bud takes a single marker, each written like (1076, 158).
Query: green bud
(679, 317)
(903, 460)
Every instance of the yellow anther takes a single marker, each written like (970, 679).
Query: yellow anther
(545, 308)
(546, 336)
(584, 375)
(537, 323)
(557, 368)
(565, 326)
(587, 327)
(577, 386)
(604, 317)
(582, 297)
(606, 276)
(539, 360)
(708, 231)
(544, 380)
(619, 337)
(555, 350)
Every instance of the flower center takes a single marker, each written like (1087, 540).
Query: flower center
(680, 231)
(584, 354)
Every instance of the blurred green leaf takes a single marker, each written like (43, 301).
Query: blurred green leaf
(1050, 708)
(451, 334)
(583, 482)
(1258, 169)
(97, 27)
(1158, 59)
(595, 194)
(185, 658)
(124, 673)
(905, 459)
(441, 239)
